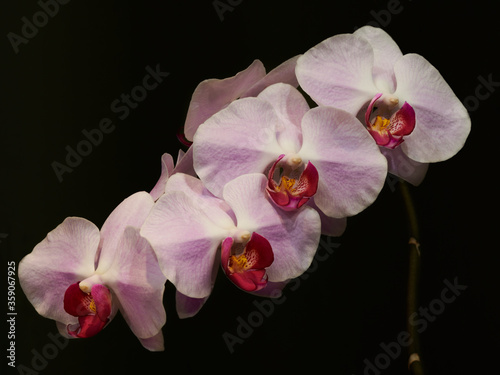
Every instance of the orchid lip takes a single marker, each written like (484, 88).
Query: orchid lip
(246, 269)
(292, 193)
(389, 133)
(92, 309)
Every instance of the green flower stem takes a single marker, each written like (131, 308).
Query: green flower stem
(414, 358)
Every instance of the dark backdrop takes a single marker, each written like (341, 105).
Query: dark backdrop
(335, 319)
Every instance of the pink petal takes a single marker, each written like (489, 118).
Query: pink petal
(351, 168)
(284, 73)
(64, 257)
(293, 248)
(167, 167)
(185, 232)
(237, 140)
(443, 123)
(212, 95)
(131, 212)
(339, 72)
(138, 283)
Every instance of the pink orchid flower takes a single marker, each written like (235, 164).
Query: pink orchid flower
(80, 276)
(366, 70)
(258, 244)
(325, 155)
(212, 95)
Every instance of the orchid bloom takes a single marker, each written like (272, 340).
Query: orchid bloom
(324, 155)
(212, 95)
(419, 119)
(188, 225)
(80, 276)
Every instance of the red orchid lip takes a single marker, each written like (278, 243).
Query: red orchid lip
(292, 194)
(390, 133)
(92, 309)
(247, 269)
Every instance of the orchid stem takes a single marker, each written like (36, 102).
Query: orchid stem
(414, 359)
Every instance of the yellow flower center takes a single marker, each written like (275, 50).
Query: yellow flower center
(287, 184)
(238, 263)
(92, 306)
(380, 124)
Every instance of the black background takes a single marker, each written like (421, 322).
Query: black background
(64, 80)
